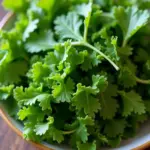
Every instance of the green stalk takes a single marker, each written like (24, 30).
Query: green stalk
(96, 50)
(68, 132)
(142, 81)
(102, 54)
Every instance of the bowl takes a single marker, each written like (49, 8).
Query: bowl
(140, 142)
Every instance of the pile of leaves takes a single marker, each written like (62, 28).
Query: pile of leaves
(77, 71)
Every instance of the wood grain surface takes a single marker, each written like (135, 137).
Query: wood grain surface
(10, 141)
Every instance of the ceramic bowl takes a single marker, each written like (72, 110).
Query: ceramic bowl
(140, 142)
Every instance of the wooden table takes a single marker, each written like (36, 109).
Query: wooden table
(10, 141)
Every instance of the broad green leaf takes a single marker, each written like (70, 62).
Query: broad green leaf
(32, 95)
(6, 91)
(132, 102)
(127, 78)
(115, 127)
(68, 27)
(39, 72)
(32, 112)
(108, 102)
(40, 42)
(19, 5)
(85, 99)
(130, 20)
(63, 91)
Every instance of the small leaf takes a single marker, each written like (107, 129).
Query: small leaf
(41, 129)
(6, 91)
(63, 91)
(32, 26)
(115, 127)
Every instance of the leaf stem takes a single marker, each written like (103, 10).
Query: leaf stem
(94, 49)
(142, 81)
(68, 132)
(87, 21)
(102, 54)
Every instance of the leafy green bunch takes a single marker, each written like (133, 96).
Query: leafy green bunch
(77, 72)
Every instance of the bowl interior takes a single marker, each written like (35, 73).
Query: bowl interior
(142, 137)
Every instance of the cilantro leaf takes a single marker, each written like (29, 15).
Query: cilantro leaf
(29, 133)
(20, 5)
(115, 127)
(31, 95)
(132, 102)
(32, 26)
(6, 91)
(39, 72)
(130, 20)
(40, 42)
(90, 60)
(31, 112)
(126, 77)
(63, 91)
(108, 102)
(84, 99)
(46, 5)
(41, 129)
(147, 105)
(10, 72)
(68, 26)
(87, 146)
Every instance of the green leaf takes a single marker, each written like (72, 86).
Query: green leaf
(84, 9)
(63, 91)
(31, 95)
(115, 127)
(32, 26)
(28, 132)
(6, 91)
(147, 105)
(32, 112)
(108, 102)
(46, 5)
(40, 42)
(90, 60)
(99, 83)
(23, 113)
(84, 98)
(41, 129)
(80, 134)
(125, 51)
(68, 27)
(10, 72)
(126, 77)
(19, 5)
(55, 134)
(86, 146)
(132, 102)
(130, 20)
(39, 72)
(45, 102)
